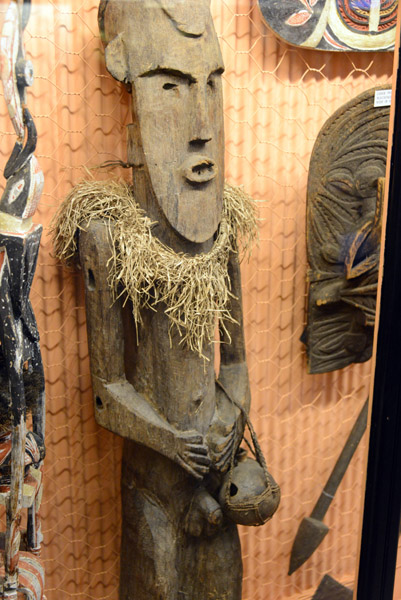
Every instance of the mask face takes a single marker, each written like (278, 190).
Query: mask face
(177, 107)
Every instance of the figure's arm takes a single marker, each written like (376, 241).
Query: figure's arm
(233, 368)
(118, 407)
(227, 427)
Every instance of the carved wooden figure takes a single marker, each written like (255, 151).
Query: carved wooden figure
(153, 375)
(344, 215)
(21, 370)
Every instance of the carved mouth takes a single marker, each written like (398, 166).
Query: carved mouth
(199, 169)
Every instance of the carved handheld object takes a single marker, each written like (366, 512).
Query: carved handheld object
(312, 530)
(344, 216)
(21, 370)
(330, 589)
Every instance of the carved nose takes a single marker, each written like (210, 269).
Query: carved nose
(200, 133)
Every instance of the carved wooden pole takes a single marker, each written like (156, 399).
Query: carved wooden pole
(21, 364)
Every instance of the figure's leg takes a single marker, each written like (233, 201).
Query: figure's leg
(211, 567)
(148, 548)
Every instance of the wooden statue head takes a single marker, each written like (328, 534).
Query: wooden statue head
(168, 51)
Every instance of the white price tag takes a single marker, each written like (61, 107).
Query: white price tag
(382, 98)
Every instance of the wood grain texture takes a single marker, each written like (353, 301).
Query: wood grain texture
(174, 72)
(181, 430)
(174, 420)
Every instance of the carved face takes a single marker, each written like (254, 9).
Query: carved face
(177, 106)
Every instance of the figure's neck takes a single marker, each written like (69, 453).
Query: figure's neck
(144, 196)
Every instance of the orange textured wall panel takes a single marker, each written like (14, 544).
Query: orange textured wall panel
(276, 100)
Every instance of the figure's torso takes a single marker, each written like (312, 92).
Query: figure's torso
(177, 381)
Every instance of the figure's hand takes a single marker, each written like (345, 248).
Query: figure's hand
(223, 443)
(191, 453)
(225, 431)
(227, 427)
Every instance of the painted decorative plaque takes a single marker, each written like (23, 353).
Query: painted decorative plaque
(338, 25)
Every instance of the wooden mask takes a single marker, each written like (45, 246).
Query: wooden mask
(344, 216)
(168, 50)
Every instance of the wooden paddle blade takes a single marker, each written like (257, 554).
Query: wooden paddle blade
(330, 589)
(310, 534)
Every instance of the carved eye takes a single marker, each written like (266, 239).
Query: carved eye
(169, 86)
(211, 83)
(341, 179)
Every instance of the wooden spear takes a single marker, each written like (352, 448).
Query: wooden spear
(312, 530)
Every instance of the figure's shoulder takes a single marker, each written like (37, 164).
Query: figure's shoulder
(95, 239)
(101, 228)
(88, 215)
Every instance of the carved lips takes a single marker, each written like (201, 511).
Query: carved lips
(199, 169)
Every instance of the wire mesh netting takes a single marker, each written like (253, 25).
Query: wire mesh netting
(276, 100)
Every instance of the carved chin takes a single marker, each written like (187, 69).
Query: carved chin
(195, 218)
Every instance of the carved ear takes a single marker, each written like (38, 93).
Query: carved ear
(116, 58)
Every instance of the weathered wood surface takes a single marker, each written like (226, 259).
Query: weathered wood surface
(344, 215)
(177, 426)
(177, 94)
(336, 25)
(180, 428)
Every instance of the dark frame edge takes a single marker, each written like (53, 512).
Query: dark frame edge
(381, 517)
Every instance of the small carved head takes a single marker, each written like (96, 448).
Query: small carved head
(168, 51)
